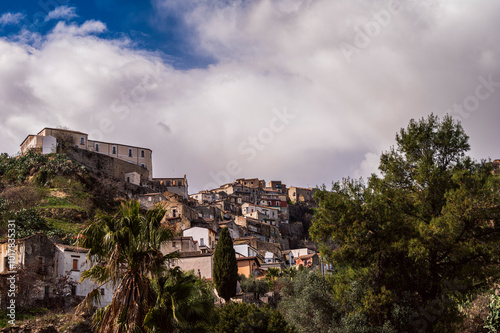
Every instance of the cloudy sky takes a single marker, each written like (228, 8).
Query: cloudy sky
(304, 91)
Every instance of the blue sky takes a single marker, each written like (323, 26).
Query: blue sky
(303, 91)
(140, 21)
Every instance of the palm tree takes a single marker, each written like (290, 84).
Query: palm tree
(289, 272)
(272, 274)
(124, 250)
(182, 301)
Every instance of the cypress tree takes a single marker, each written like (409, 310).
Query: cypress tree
(225, 266)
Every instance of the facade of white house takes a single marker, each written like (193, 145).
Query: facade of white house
(248, 208)
(301, 252)
(73, 261)
(133, 178)
(246, 250)
(204, 197)
(270, 258)
(204, 236)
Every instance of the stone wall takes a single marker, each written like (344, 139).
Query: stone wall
(108, 166)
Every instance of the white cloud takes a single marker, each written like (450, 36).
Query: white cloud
(368, 166)
(271, 55)
(86, 28)
(10, 18)
(61, 12)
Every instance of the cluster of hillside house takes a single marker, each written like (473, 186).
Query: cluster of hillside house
(251, 209)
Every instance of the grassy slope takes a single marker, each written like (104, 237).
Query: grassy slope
(64, 194)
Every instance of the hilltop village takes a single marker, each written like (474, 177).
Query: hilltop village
(85, 224)
(267, 220)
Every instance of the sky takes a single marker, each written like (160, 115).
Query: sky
(303, 91)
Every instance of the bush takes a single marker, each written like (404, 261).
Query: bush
(307, 302)
(248, 318)
(254, 286)
(43, 167)
(492, 323)
(21, 197)
(28, 222)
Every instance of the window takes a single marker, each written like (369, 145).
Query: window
(6, 264)
(75, 264)
(82, 140)
(142, 153)
(173, 244)
(102, 291)
(128, 179)
(130, 152)
(202, 242)
(96, 147)
(113, 150)
(73, 290)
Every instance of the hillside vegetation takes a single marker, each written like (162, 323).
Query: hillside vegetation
(52, 194)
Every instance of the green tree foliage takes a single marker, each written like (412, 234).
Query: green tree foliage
(289, 272)
(125, 251)
(423, 235)
(28, 222)
(183, 303)
(272, 274)
(18, 170)
(492, 323)
(307, 303)
(248, 318)
(255, 286)
(225, 269)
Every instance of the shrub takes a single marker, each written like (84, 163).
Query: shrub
(28, 222)
(248, 318)
(307, 302)
(492, 323)
(254, 286)
(21, 197)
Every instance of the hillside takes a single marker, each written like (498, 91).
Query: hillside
(57, 195)
(52, 194)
